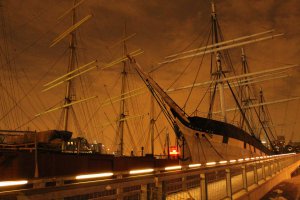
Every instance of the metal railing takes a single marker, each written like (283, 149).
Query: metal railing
(214, 180)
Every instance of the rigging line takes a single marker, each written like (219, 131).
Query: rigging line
(15, 103)
(240, 109)
(270, 118)
(199, 157)
(295, 121)
(263, 127)
(201, 100)
(76, 123)
(220, 155)
(85, 112)
(109, 97)
(202, 149)
(38, 97)
(169, 118)
(32, 88)
(212, 100)
(226, 52)
(197, 74)
(187, 66)
(134, 105)
(158, 136)
(194, 40)
(131, 138)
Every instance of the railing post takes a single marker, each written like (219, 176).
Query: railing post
(144, 194)
(160, 189)
(244, 177)
(255, 174)
(269, 168)
(263, 171)
(203, 187)
(119, 189)
(183, 182)
(228, 183)
(279, 166)
(275, 167)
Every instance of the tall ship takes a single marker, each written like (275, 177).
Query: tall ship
(211, 136)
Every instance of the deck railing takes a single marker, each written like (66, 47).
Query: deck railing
(213, 180)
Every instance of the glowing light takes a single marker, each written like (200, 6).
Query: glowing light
(173, 167)
(252, 158)
(12, 183)
(232, 161)
(173, 151)
(141, 171)
(194, 165)
(87, 176)
(211, 163)
(240, 160)
(223, 162)
(247, 159)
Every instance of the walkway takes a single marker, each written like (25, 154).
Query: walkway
(289, 189)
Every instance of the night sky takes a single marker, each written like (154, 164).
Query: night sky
(162, 28)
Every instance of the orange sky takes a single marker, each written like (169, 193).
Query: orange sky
(162, 28)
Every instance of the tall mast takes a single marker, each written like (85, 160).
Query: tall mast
(122, 103)
(219, 71)
(71, 66)
(152, 123)
(246, 100)
(262, 116)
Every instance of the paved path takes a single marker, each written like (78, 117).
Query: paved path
(289, 189)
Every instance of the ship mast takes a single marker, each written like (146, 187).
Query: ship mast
(69, 94)
(262, 116)
(219, 71)
(122, 103)
(152, 123)
(246, 99)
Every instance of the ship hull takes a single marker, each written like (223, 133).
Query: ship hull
(201, 147)
(21, 164)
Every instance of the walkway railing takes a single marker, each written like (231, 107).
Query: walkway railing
(213, 180)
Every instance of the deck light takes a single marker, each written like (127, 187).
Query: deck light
(13, 183)
(223, 162)
(173, 167)
(141, 171)
(194, 165)
(240, 160)
(211, 163)
(232, 161)
(87, 176)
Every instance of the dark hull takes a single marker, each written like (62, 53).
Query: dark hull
(21, 164)
(226, 130)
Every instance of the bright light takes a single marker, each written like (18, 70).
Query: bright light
(174, 152)
(240, 160)
(252, 158)
(256, 157)
(223, 162)
(211, 163)
(173, 167)
(101, 175)
(12, 183)
(264, 142)
(247, 159)
(232, 161)
(261, 157)
(141, 171)
(194, 165)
